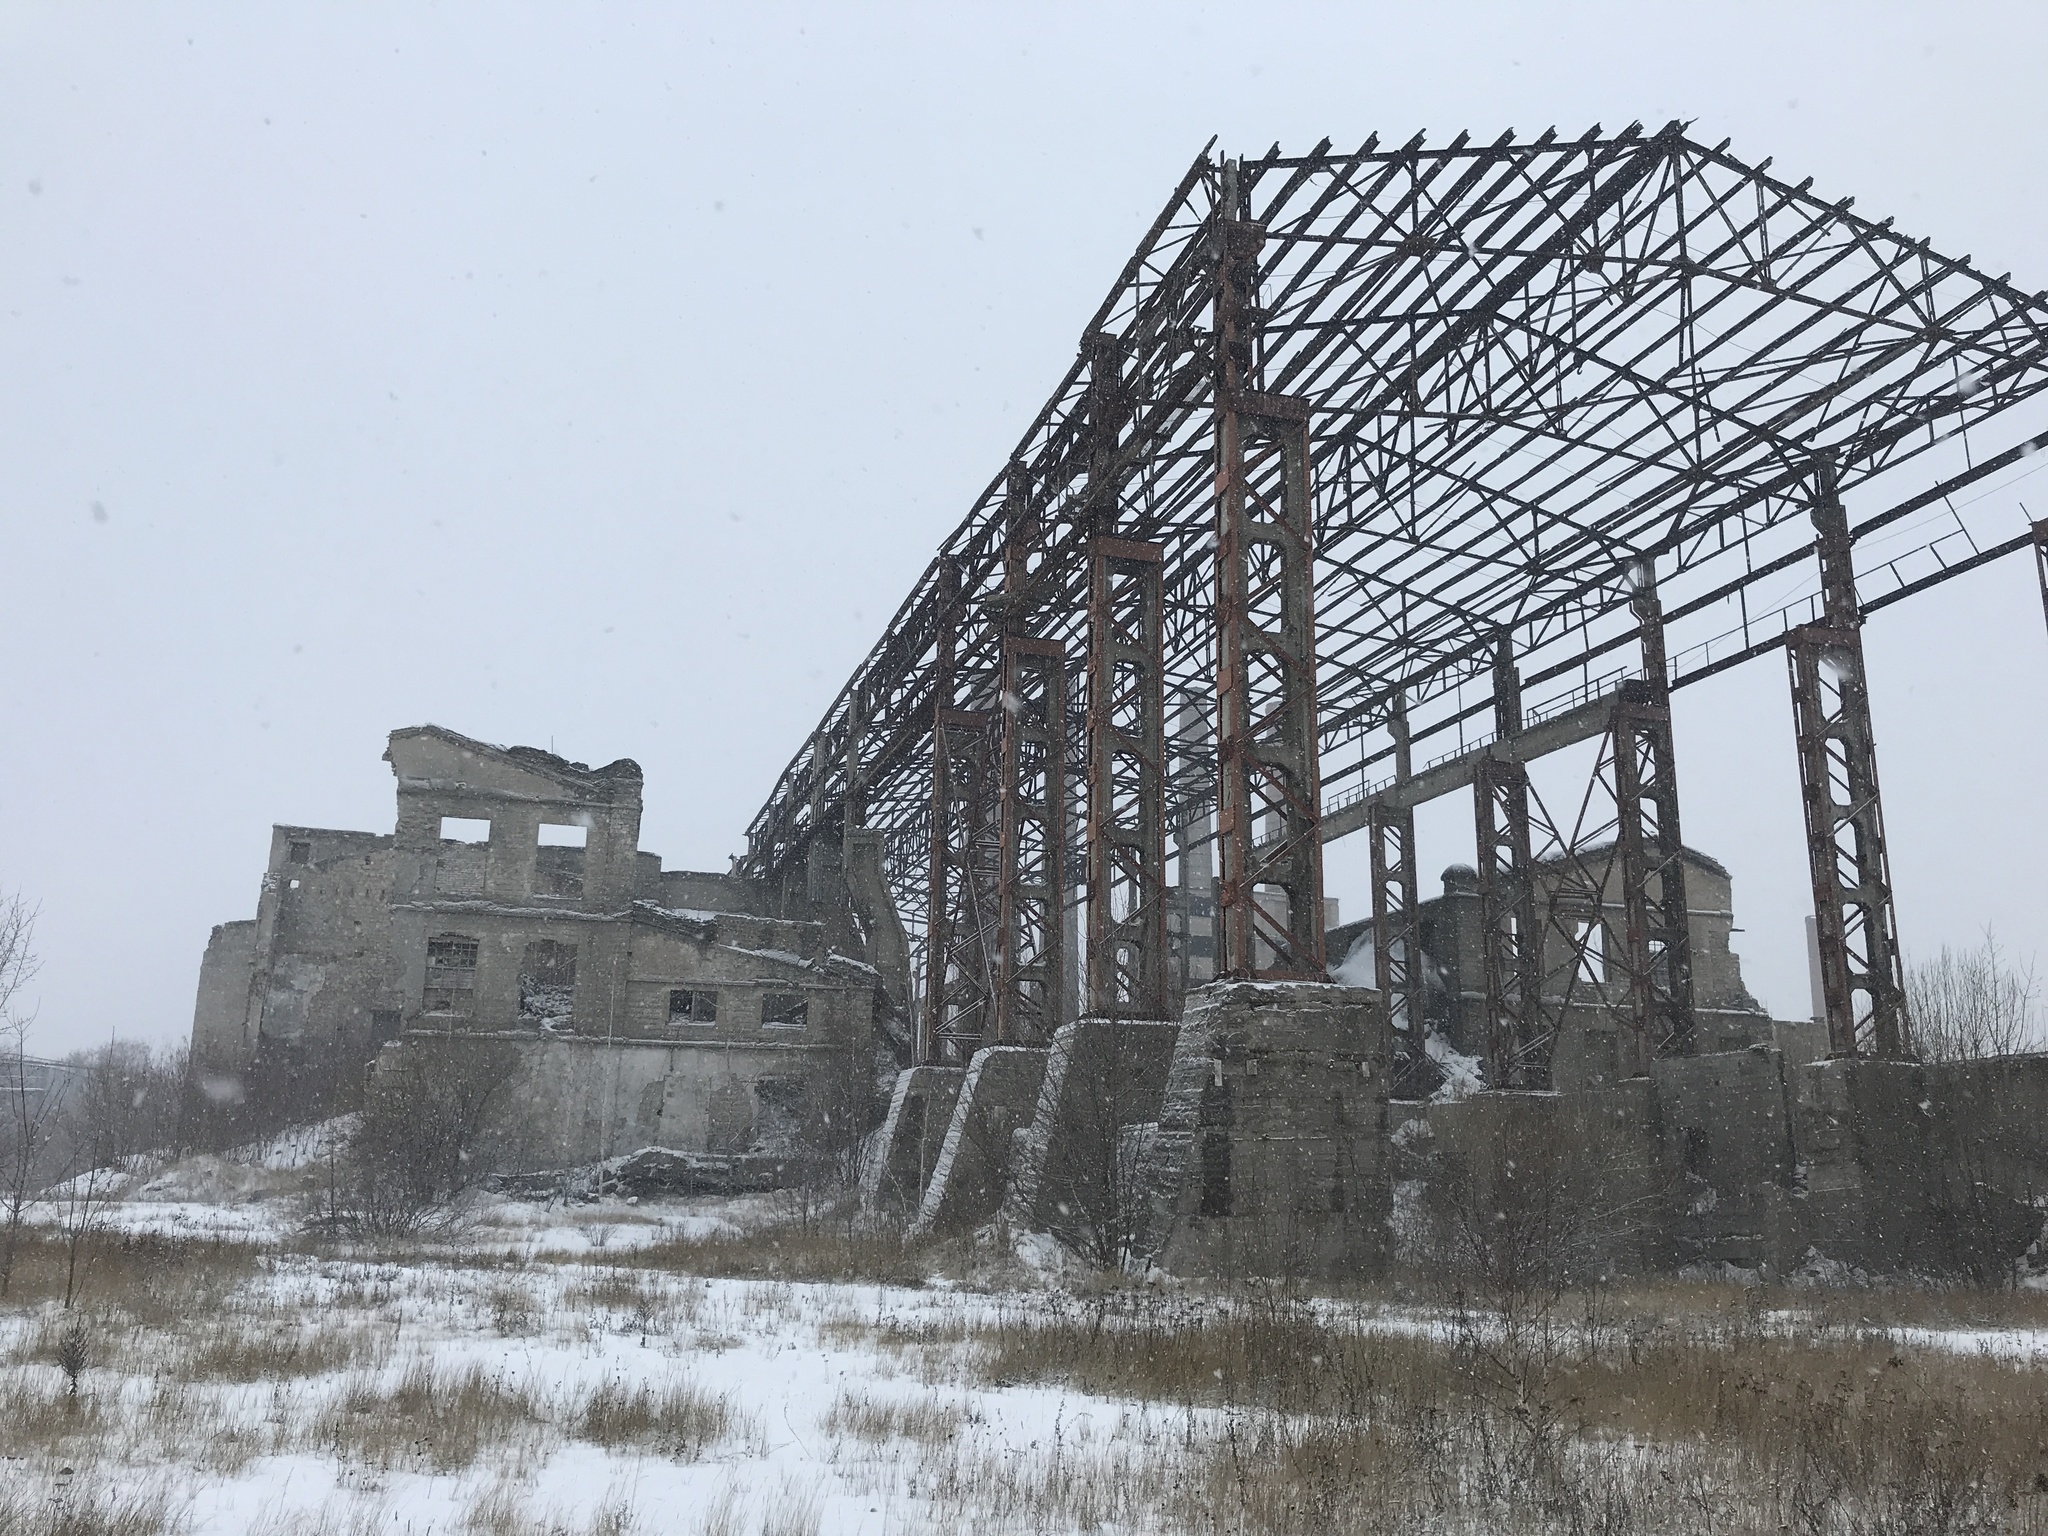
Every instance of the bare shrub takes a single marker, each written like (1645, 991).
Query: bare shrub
(1972, 1003)
(30, 1105)
(420, 1143)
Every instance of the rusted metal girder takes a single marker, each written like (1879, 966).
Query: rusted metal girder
(1127, 945)
(961, 919)
(1862, 983)
(1269, 793)
(1657, 938)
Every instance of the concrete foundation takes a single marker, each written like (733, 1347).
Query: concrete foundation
(1075, 1168)
(1270, 1152)
(906, 1148)
(997, 1098)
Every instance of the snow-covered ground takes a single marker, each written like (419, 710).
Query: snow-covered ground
(556, 1368)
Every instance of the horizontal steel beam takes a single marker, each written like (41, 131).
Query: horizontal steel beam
(1580, 723)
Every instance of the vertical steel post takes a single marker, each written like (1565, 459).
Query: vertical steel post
(1658, 938)
(1127, 946)
(1268, 766)
(1861, 978)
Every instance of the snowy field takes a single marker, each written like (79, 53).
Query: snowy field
(613, 1368)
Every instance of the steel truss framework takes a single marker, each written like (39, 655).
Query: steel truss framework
(1530, 366)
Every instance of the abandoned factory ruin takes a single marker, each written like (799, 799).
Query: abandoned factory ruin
(1381, 478)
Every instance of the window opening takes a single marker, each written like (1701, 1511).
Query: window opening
(547, 983)
(687, 1007)
(465, 829)
(299, 853)
(558, 861)
(451, 974)
(785, 1010)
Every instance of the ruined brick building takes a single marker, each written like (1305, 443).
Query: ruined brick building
(512, 899)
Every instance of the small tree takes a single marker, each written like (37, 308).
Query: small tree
(1967, 1004)
(29, 1113)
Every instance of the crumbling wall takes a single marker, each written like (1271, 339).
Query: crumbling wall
(223, 1037)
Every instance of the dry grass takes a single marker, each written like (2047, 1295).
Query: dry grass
(279, 1350)
(791, 1252)
(440, 1417)
(1292, 1419)
(70, 1506)
(678, 1420)
(161, 1280)
(928, 1421)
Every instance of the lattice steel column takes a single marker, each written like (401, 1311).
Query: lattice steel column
(1126, 781)
(1657, 932)
(1269, 777)
(1512, 940)
(1033, 815)
(961, 918)
(1861, 979)
(1397, 932)
(1031, 808)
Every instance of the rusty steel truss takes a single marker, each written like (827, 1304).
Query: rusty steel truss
(1406, 425)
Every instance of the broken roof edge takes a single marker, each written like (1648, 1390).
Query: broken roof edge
(571, 775)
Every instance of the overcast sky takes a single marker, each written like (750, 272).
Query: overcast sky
(601, 377)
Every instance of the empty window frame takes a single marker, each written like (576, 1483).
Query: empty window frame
(688, 1007)
(451, 974)
(558, 861)
(547, 983)
(785, 1010)
(465, 829)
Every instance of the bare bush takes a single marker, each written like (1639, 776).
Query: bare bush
(422, 1140)
(30, 1105)
(1972, 1003)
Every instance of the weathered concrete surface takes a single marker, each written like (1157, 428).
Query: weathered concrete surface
(573, 1101)
(997, 1099)
(906, 1148)
(1743, 1159)
(1072, 1170)
(1270, 1153)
